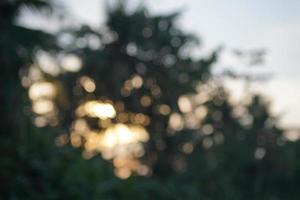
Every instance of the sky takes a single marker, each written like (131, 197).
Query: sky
(235, 24)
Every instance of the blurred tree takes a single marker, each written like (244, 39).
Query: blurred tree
(133, 76)
(195, 133)
(142, 63)
(17, 45)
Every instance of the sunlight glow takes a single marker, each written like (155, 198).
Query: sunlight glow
(187, 148)
(292, 135)
(41, 90)
(121, 143)
(47, 63)
(176, 122)
(87, 83)
(96, 109)
(184, 104)
(137, 81)
(145, 101)
(119, 138)
(71, 63)
(42, 106)
(124, 134)
(164, 109)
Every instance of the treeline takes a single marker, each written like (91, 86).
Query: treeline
(64, 96)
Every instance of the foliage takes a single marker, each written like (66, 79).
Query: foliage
(232, 152)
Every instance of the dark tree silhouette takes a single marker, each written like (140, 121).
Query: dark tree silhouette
(131, 92)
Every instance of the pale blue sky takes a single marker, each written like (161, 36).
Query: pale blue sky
(271, 24)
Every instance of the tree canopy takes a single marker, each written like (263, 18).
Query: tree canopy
(124, 112)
